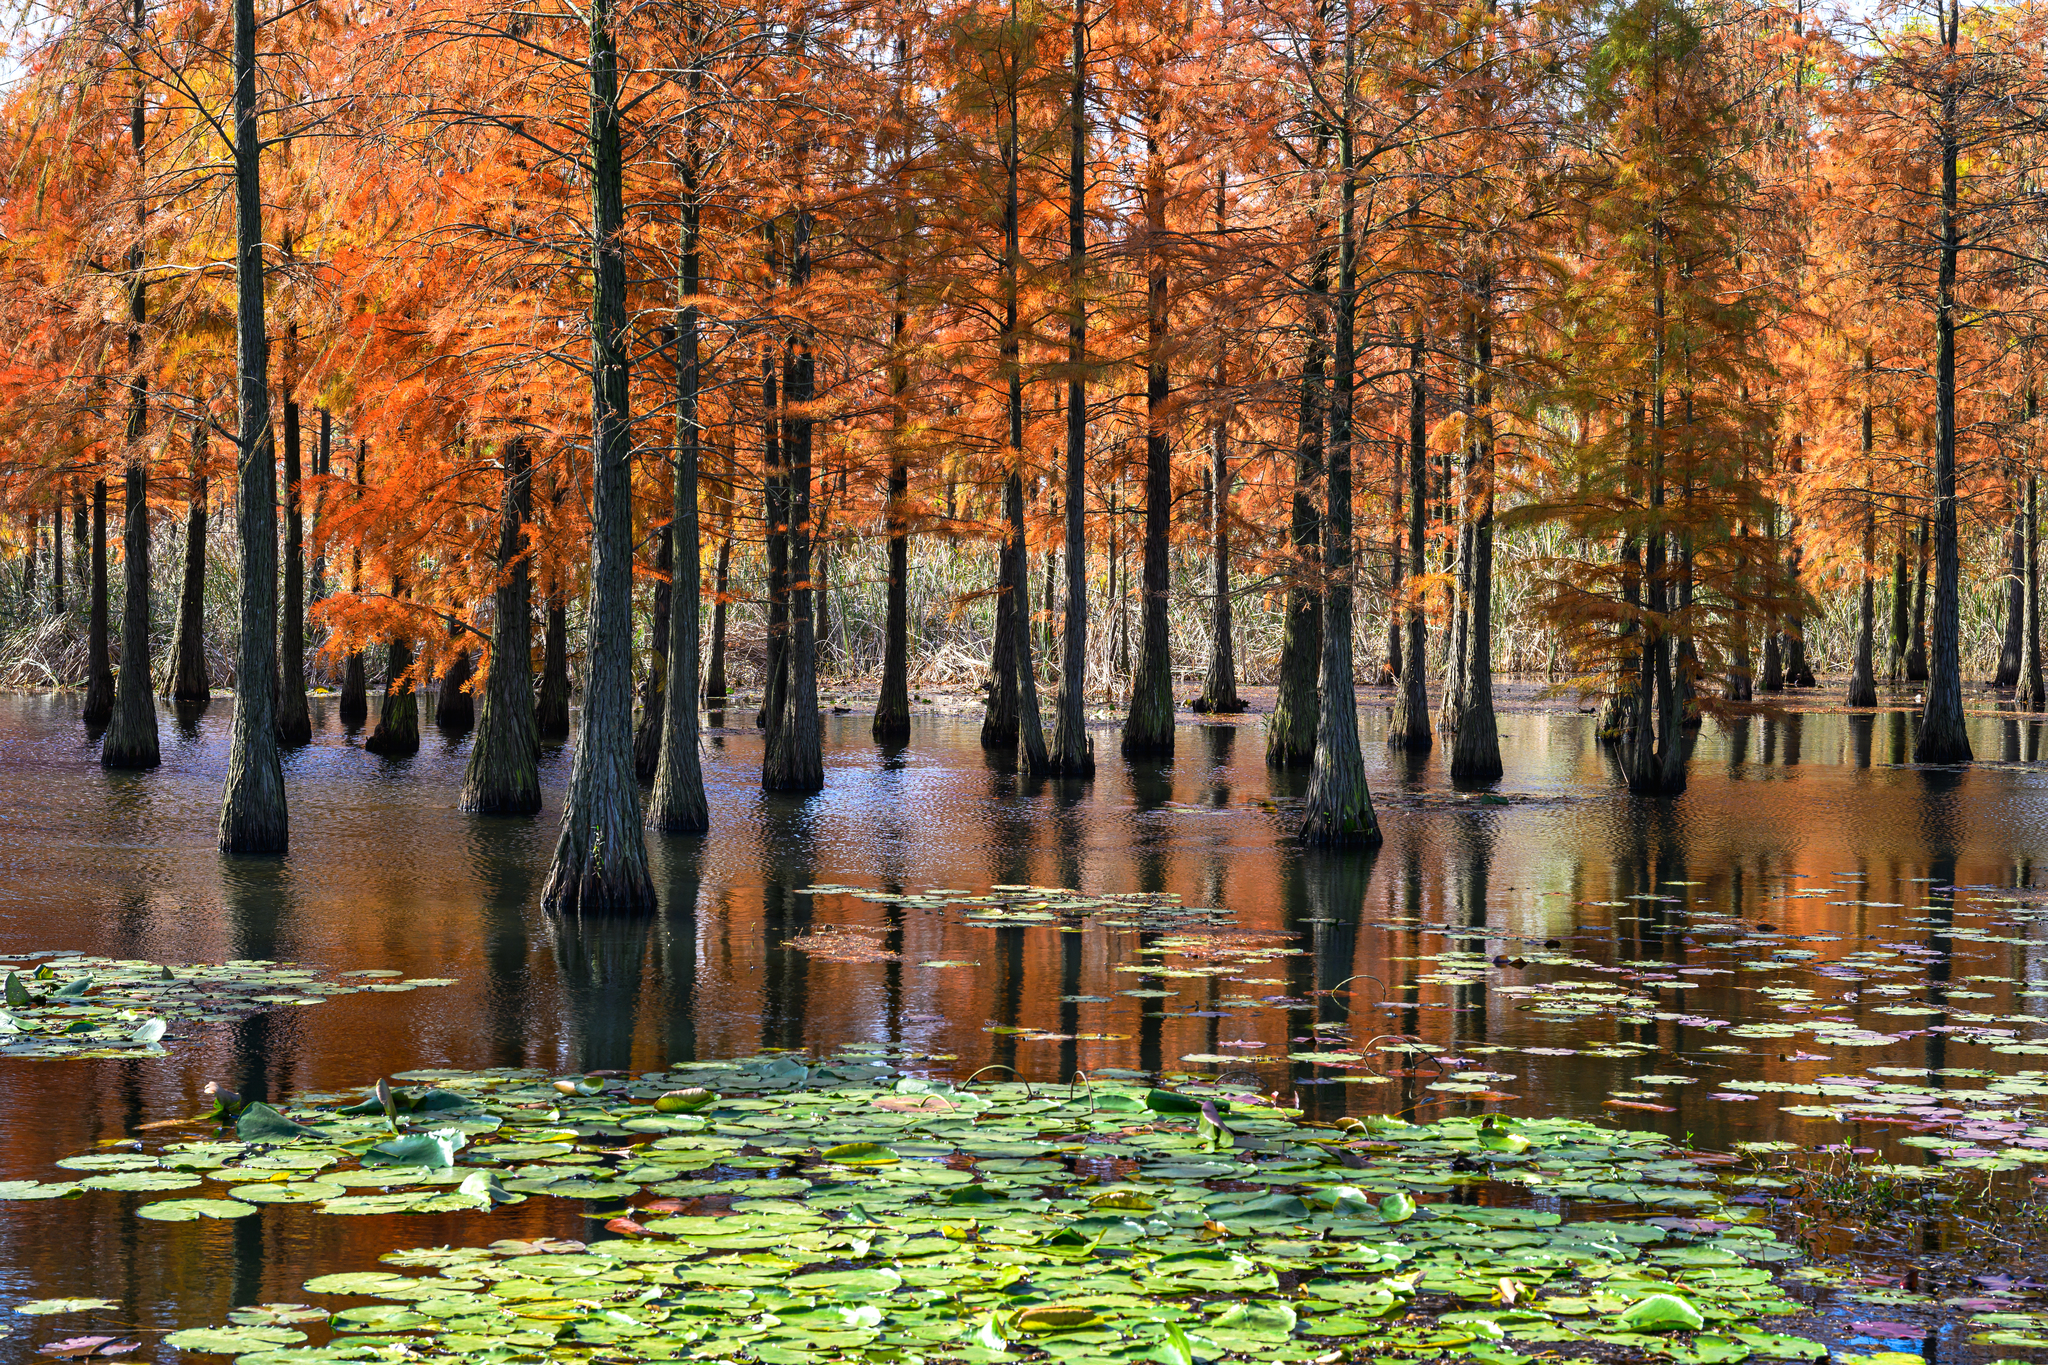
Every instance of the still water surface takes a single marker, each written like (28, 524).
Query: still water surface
(1803, 837)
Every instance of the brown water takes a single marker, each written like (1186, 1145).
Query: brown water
(385, 873)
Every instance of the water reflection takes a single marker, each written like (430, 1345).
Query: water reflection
(385, 874)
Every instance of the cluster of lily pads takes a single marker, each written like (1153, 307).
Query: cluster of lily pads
(1803, 1001)
(66, 1004)
(782, 1211)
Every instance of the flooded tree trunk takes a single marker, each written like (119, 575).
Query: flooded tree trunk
(1397, 564)
(600, 862)
(794, 761)
(398, 719)
(679, 806)
(1339, 809)
(1073, 753)
(1291, 732)
(1916, 648)
(131, 739)
(653, 707)
(2008, 674)
(1148, 728)
(454, 706)
(294, 718)
(2028, 696)
(1902, 611)
(714, 677)
(99, 675)
(353, 708)
(1219, 688)
(189, 681)
(1943, 738)
(1409, 728)
(253, 819)
(551, 711)
(1032, 754)
(775, 497)
(503, 776)
(1862, 675)
(1475, 751)
(892, 705)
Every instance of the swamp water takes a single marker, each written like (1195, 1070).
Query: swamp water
(1818, 946)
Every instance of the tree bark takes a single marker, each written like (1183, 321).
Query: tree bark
(1409, 728)
(503, 776)
(294, 717)
(253, 819)
(679, 806)
(1339, 808)
(189, 681)
(600, 863)
(99, 677)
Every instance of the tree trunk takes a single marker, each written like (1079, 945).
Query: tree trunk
(56, 556)
(131, 739)
(1339, 808)
(1409, 728)
(1219, 688)
(398, 719)
(2008, 674)
(99, 677)
(1475, 751)
(1073, 753)
(600, 863)
(503, 776)
(551, 710)
(1943, 738)
(353, 708)
(794, 761)
(253, 817)
(1291, 733)
(653, 707)
(294, 718)
(679, 806)
(1148, 729)
(316, 585)
(2029, 695)
(454, 705)
(821, 606)
(1397, 565)
(775, 497)
(189, 681)
(1862, 676)
(1916, 653)
(714, 677)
